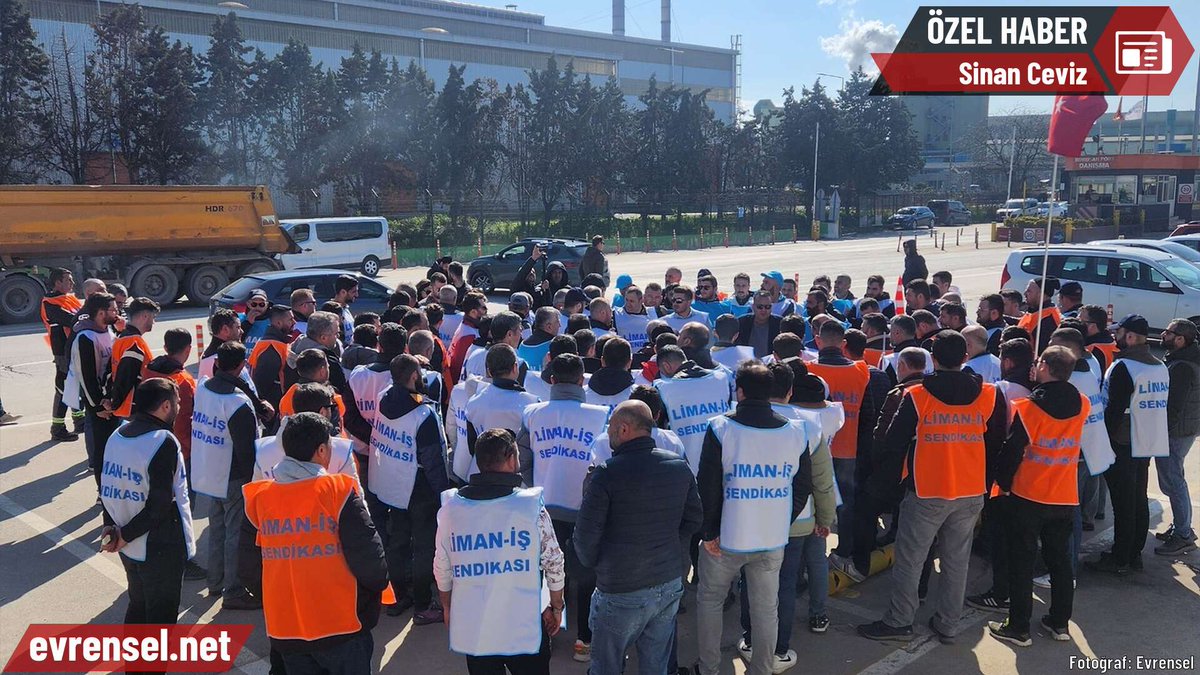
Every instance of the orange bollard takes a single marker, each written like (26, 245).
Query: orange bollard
(618, 242)
(439, 248)
(750, 236)
(898, 299)
(674, 241)
(727, 237)
(702, 237)
(647, 240)
(479, 247)
(899, 240)
(395, 262)
(772, 234)
(199, 341)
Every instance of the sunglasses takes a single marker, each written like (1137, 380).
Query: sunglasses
(679, 301)
(762, 307)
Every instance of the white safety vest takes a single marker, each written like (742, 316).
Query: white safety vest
(561, 436)
(609, 401)
(209, 363)
(824, 423)
(739, 310)
(366, 384)
(535, 385)
(690, 403)
(463, 329)
(394, 455)
(664, 439)
(732, 357)
(1147, 407)
(889, 361)
(102, 343)
(632, 327)
(449, 327)
(986, 366)
(780, 306)
(212, 446)
(125, 485)
(1097, 447)
(758, 466)
(677, 322)
(268, 453)
(475, 365)
(1012, 392)
(456, 413)
(494, 550)
(491, 408)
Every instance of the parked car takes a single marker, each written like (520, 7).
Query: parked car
(1175, 248)
(1191, 241)
(372, 295)
(1192, 227)
(492, 272)
(348, 243)
(1157, 285)
(1060, 209)
(1015, 208)
(949, 212)
(911, 217)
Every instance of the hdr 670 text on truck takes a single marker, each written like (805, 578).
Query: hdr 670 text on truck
(161, 242)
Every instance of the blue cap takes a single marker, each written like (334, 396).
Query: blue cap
(774, 274)
(623, 281)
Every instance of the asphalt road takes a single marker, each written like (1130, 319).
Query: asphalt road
(49, 522)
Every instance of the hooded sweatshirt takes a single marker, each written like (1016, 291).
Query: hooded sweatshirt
(167, 367)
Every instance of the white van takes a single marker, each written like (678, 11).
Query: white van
(1126, 280)
(348, 243)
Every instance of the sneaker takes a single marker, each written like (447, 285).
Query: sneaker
(1165, 536)
(241, 602)
(1004, 633)
(1108, 565)
(744, 650)
(818, 624)
(987, 601)
(402, 605)
(9, 418)
(1176, 545)
(1056, 634)
(428, 616)
(783, 661)
(194, 572)
(60, 434)
(942, 636)
(885, 633)
(846, 566)
(583, 652)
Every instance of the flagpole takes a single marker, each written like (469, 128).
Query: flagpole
(1046, 250)
(1012, 156)
(1145, 114)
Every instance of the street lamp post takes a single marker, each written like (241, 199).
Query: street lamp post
(842, 87)
(433, 30)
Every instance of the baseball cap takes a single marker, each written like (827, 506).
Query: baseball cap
(1071, 289)
(519, 299)
(623, 281)
(258, 293)
(446, 259)
(1133, 323)
(774, 274)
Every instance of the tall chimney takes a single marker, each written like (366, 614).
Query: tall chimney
(618, 17)
(666, 20)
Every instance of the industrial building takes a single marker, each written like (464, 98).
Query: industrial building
(497, 43)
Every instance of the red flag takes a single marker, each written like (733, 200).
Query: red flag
(1071, 122)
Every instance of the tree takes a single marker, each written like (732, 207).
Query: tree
(1017, 135)
(233, 121)
(360, 151)
(600, 138)
(410, 133)
(549, 117)
(23, 72)
(648, 170)
(878, 143)
(71, 131)
(467, 118)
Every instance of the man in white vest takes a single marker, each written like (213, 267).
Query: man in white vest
(312, 397)
(755, 479)
(1135, 388)
(727, 351)
(147, 519)
(90, 355)
(499, 405)
(631, 318)
(611, 383)
(495, 541)
(979, 360)
(692, 396)
(681, 301)
(224, 430)
(408, 474)
(558, 434)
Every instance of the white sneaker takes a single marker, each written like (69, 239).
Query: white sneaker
(784, 662)
(744, 650)
(1044, 582)
(583, 652)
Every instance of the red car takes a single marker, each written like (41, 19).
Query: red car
(1190, 228)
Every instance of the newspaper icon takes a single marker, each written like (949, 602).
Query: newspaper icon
(1143, 53)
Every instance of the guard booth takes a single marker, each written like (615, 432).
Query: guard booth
(1156, 189)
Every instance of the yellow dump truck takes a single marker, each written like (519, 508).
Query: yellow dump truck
(162, 242)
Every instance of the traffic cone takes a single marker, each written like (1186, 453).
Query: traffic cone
(899, 297)
(200, 340)
(389, 596)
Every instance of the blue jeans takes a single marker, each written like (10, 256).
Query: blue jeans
(1173, 484)
(843, 471)
(645, 618)
(801, 553)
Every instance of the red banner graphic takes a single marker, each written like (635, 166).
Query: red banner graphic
(1015, 73)
(82, 648)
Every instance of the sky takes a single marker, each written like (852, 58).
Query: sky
(787, 42)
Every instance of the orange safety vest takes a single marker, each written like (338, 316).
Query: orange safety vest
(949, 460)
(1030, 321)
(1047, 473)
(262, 346)
(286, 407)
(308, 589)
(120, 346)
(873, 357)
(1108, 349)
(848, 386)
(69, 303)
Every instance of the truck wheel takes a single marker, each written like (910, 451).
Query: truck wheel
(156, 282)
(370, 266)
(20, 299)
(203, 282)
(256, 267)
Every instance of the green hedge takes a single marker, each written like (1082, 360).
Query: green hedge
(1036, 221)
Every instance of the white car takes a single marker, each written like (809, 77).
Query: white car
(1014, 208)
(1191, 241)
(1175, 248)
(359, 243)
(1125, 280)
(1060, 209)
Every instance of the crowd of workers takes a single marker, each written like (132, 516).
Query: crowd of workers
(587, 456)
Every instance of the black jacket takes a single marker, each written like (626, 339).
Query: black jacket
(1059, 400)
(92, 381)
(1183, 399)
(160, 519)
(951, 387)
(433, 476)
(267, 374)
(127, 373)
(914, 268)
(609, 381)
(1119, 386)
(354, 423)
(746, 325)
(711, 477)
(637, 509)
(60, 322)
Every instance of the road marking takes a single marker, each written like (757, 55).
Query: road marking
(35, 423)
(253, 664)
(852, 609)
(31, 363)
